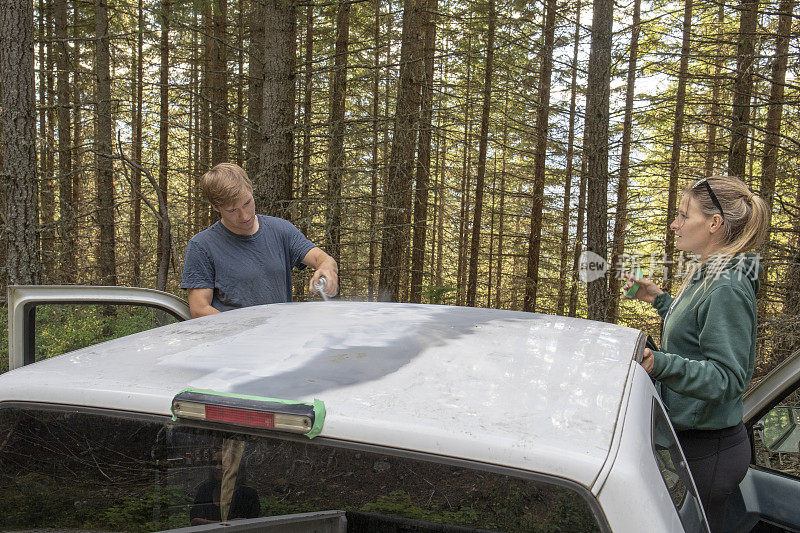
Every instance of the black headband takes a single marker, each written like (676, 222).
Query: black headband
(713, 196)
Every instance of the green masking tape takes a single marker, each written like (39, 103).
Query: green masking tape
(317, 405)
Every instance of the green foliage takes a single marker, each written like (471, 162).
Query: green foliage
(136, 513)
(438, 294)
(63, 328)
(77, 505)
(399, 503)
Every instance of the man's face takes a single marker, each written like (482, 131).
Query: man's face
(240, 216)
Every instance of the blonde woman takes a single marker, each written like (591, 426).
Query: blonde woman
(708, 342)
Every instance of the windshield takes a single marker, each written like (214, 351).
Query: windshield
(94, 471)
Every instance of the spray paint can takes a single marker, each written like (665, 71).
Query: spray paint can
(320, 285)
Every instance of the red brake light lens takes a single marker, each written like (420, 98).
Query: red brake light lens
(243, 417)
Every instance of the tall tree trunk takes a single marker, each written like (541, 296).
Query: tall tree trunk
(66, 209)
(772, 141)
(677, 139)
(422, 188)
(78, 185)
(206, 94)
(441, 207)
(18, 173)
(482, 148)
(373, 208)
(465, 179)
(621, 216)
(164, 233)
(596, 150)
(540, 159)
(573, 291)
(336, 160)
(135, 231)
(743, 87)
(401, 164)
(714, 119)
(562, 285)
(498, 301)
(305, 172)
(273, 183)
(219, 95)
(256, 85)
(240, 84)
(47, 103)
(105, 168)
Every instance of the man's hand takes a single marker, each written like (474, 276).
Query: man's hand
(324, 266)
(200, 302)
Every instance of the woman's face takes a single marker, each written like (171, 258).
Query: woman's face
(694, 232)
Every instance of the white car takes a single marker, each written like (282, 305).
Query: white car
(350, 416)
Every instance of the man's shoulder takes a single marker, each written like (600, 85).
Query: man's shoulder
(210, 233)
(278, 225)
(273, 221)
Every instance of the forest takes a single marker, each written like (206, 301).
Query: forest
(461, 152)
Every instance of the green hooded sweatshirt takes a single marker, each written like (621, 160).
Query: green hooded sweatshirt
(709, 346)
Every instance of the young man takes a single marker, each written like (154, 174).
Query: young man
(246, 259)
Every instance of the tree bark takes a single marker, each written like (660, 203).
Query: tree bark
(621, 215)
(483, 143)
(78, 186)
(498, 301)
(573, 292)
(135, 230)
(743, 87)
(164, 234)
(48, 118)
(67, 255)
(677, 140)
(596, 150)
(107, 262)
(714, 119)
(401, 164)
(421, 191)
(256, 84)
(565, 216)
(219, 85)
(772, 141)
(336, 156)
(18, 119)
(540, 159)
(373, 208)
(273, 182)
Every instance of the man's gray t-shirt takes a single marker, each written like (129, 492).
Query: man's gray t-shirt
(245, 270)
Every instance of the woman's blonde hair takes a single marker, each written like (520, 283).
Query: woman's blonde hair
(746, 220)
(225, 184)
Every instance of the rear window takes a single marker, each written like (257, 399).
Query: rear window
(90, 471)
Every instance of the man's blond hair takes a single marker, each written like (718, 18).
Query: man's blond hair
(225, 184)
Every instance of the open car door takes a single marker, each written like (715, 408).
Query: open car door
(768, 499)
(47, 320)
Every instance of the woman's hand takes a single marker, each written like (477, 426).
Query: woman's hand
(648, 360)
(647, 289)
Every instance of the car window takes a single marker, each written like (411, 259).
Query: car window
(776, 437)
(675, 472)
(61, 328)
(94, 471)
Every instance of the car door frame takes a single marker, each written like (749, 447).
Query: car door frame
(750, 503)
(23, 299)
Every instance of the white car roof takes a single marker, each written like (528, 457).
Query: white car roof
(523, 390)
